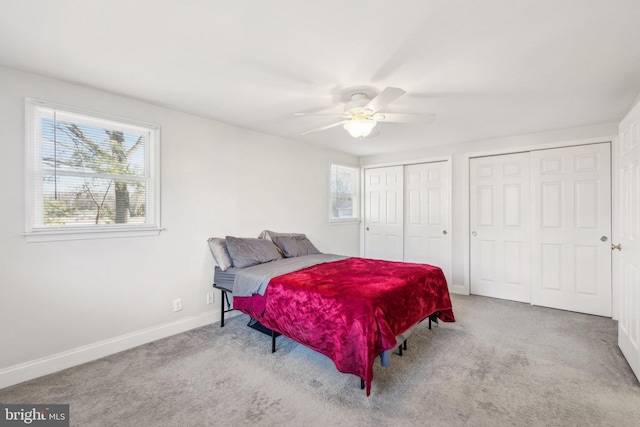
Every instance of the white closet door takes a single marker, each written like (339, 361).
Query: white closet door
(499, 224)
(571, 228)
(427, 233)
(629, 256)
(383, 236)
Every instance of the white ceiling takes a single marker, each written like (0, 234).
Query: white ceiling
(487, 68)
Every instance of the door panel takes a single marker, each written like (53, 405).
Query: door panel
(383, 236)
(628, 257)
(499, 223)
(427, 229)
(571, 228)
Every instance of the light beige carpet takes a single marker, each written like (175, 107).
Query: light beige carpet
(502, 363)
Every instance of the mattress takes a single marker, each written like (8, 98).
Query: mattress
(224, 279)
(254, 280)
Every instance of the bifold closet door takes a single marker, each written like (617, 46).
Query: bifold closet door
(408, 214)
(571, 228)
(384, 224)
(499, 226)
(427, 233)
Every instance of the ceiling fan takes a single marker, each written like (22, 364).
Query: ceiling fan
(362, 114)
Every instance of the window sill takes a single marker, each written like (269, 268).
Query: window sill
(344, 221)
(83, 234)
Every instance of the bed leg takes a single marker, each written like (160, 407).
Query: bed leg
(224, 294)
(402, 347)
(273, 341)
(429, 322)
(361, 384)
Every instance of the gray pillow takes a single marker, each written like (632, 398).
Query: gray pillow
(269, 235)
(293, 246)
(246, 252)
(218, 247)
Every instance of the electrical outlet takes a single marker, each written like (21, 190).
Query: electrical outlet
(210, 298)
(177, 304)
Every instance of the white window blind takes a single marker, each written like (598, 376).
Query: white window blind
(344, 193)
(89, 175)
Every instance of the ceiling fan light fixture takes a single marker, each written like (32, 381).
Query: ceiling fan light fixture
(361, 113)
(359, 128)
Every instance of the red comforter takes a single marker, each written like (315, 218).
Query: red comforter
(351, 310)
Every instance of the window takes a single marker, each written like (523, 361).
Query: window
(89, 176)
(344, 194)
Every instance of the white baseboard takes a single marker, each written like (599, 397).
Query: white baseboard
(57, 362)
(458, 289)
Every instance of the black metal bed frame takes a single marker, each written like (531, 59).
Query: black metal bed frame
(223, 297)
(255, 324)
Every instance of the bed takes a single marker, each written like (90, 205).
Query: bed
(350, 309)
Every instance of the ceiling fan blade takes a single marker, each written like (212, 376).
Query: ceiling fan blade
(332, 125)
(383, 99)
(405, 118)
(319, 115)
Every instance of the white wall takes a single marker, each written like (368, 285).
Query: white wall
(63, 303)
(460, 154)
